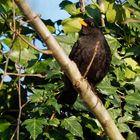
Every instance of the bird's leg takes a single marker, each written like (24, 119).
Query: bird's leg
(93, 56)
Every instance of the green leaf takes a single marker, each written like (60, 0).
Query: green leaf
(134, 25)
(132, 136)
(71, 124)
(120, 74)
(115, 113)
(111, 15)
(131, 62)
(53, 102)
(69, 136)
(130, 107)
(137, 82)
(132, 2)
(90, 123)
(127, 12)
(93, 12)
(21, 53)
(133, 99)
(108, 5)
(79, 105)
(67, 41)
(54, 122)
(106, 88)
(41, 67)
(56, 134)
(64, 3)
(71, 25)
(34, 126)
(123, 127)
(50, 25)
(7, 41)
(72, 9)
(133, 51)
(49, 67)
(51, 28)
(37, 97)
(137, 124)
(129, 74)
(126, 118)
(4, 125)
(50, 88)
(4, 8)
(115, 100)
(114, 45)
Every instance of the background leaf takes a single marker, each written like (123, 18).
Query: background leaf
(71, 124)
(4, 125)
(34, 126)
(71, 25)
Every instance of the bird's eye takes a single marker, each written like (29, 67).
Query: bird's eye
(92, 24)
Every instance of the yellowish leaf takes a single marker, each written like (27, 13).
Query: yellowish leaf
(131, 62)
(129, 74)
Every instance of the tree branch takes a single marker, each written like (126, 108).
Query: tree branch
(128, 20)
(102, 7)
(24, 75)
(31, 45)
(71, 70)
(82, 5)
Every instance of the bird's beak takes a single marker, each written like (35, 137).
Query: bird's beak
(83, 23)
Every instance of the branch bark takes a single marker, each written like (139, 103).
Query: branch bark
(102, 7)
(71, 70)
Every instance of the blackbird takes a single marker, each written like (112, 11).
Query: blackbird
(92, 55)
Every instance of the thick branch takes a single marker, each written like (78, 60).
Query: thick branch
(70, 68)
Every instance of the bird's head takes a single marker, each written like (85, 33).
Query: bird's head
(87, 25)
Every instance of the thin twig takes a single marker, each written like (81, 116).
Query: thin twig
(31, 45)
(20, 109)
(51, 118)
(34, 47)
(7, 58)
(13, 134)
(82, 5)
(95, 3)
(95, 52)
(24, 75)
(24, 104)
(102, 7)
(48, 52)
(4, 74)
(131, 20)
(16, 127)
(19, 82)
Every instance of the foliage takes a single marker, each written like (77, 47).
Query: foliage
(41, 116)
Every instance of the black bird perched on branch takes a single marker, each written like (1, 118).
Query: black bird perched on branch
(92, 55)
